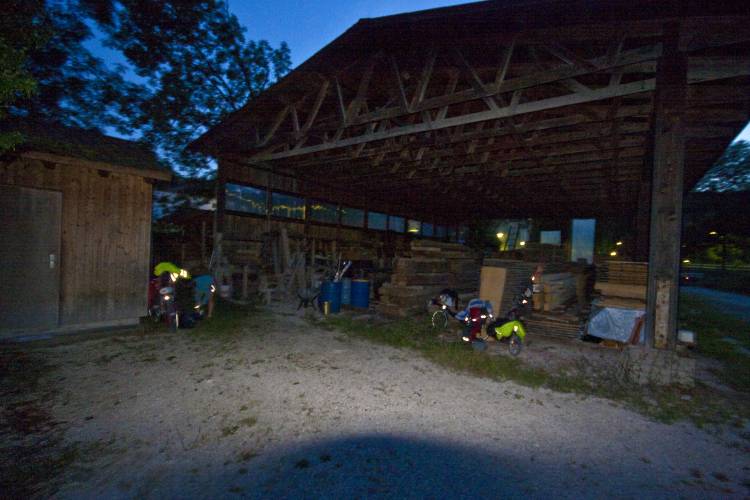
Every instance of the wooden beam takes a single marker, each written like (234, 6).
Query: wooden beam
(316, 106)
(401, 92)
(492, 114)
(148, 173)
(505, 63)
(340, 101)
(424, 80)
(641, 54)
(666, 193)
(275, 126)
(353, 109)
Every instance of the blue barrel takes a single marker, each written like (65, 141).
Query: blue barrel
(346, 291)
(331, 292)
(361, 293)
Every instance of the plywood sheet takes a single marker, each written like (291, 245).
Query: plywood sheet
(491, 286)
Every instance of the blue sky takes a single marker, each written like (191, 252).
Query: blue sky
(308, 26)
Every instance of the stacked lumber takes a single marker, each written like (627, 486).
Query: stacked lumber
(431, 267)
(518, 277)
(560, 326)
(621, 284)
(558, 291)
(622, 273)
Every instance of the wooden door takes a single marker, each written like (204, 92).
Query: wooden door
(30, 222)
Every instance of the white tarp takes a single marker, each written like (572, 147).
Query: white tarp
(614, 323)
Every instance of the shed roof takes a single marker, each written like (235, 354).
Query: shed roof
(509, 101)
(90, 145)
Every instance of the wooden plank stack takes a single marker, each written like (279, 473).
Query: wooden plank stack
(554, 321)
(559, 291)
(561, 326)
(431, 267)
(621, 284)
(622, 273)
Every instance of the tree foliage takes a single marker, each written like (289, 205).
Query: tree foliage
(60, 79)
(194, 67)
(16, 40)
(185, 65)
(731, 172)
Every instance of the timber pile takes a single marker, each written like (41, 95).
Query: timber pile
(561, 326)
(622, 273)
(558, 291)
(554, 321)
(621, 284)
(518, 277)
(431, 267)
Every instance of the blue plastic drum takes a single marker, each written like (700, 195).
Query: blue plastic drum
(330, 291)
(346, 291)
(361, 293)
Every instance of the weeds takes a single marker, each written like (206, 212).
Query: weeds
(712, 328)
(701, 404)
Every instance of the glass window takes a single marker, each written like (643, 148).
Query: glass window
(397, 224)
(427, 229)
(354, 217)
(286, 205)
(550, 237)
(413, 226)
(245, 199)
(324, 212)
(377, 220)
(441, 231)
(582, 240)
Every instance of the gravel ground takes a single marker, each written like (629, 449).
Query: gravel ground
(295, 411)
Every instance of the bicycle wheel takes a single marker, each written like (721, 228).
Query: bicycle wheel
(439, 320)
(515, 345)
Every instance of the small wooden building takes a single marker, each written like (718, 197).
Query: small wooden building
(75, 230)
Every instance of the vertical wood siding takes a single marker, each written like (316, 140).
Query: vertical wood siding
(106, 238)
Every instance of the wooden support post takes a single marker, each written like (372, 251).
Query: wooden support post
(666, 193)
(642, 221)
(245, 277)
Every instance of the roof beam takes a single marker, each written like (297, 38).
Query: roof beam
(491, 114)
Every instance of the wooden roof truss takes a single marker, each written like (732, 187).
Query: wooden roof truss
(561, 113)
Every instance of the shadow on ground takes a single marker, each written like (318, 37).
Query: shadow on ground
(386, 466)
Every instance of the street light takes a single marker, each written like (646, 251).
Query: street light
(500, 236)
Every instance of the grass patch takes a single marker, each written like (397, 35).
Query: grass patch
(712, 327)
(701, 404)
(230, 322)
(419, 335)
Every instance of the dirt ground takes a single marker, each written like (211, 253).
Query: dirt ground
(278, 408)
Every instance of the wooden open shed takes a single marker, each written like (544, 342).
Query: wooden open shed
(604, 109)
(75, 230)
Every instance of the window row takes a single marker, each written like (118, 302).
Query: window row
(253, 200)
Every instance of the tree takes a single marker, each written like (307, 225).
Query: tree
(16, 40)
(731, 172)
(57, 78)
(194, 65)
